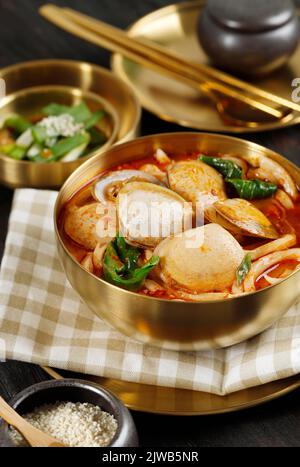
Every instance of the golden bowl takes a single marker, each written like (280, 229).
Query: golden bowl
(31, 85)
(174, 324)
(29, 102)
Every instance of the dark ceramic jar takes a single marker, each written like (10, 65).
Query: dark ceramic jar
(252, 37)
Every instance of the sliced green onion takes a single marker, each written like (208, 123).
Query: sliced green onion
(80, 112)
(39, 134)
(50, 142)
(17, 123)
(17, 152)
(68, 144)
(97, 137)
(94, 119)
(75, 154)
(7, 148)
(33, 143)
(34, 151)
(26, 139)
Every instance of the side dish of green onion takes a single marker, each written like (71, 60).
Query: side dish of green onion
(62, 134)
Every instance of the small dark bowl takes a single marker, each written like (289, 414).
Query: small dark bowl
(74, 390)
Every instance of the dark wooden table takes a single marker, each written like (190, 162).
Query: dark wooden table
(24, 36)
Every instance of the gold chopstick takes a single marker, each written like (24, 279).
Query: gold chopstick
(95, 25)
(156, 57)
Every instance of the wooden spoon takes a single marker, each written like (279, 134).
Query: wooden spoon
(36, 438)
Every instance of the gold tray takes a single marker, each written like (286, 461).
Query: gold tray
(170, 401)
(174, 27)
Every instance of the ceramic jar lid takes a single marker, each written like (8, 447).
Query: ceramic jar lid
(251, 15)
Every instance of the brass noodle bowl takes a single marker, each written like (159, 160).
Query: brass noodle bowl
(176, 325)
(31, 85)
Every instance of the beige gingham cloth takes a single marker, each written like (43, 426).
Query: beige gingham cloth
(43, 321)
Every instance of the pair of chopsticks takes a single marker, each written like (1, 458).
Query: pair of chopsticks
(164, 61)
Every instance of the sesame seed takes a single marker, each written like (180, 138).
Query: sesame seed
(62, 125)
(74, 424)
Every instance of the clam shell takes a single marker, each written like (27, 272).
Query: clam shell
(148, 213)
(107, 188)
(250, 220)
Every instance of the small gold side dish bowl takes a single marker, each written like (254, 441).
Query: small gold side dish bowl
(30, 86)
(172, 324)
(28, 103)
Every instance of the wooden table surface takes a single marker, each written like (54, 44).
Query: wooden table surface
(25, 36)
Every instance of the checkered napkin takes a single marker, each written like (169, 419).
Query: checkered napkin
(42, 320)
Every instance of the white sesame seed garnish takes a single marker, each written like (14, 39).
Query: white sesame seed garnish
(62, 125)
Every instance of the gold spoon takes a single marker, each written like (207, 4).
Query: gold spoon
(36, 438)
(234, 105)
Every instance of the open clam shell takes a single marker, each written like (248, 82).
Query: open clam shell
(106, 189)
(148, 213)
(211, 215)
(242, 215)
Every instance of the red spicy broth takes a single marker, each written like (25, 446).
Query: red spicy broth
(285, 221)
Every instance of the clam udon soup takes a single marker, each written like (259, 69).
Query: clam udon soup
(190, 227)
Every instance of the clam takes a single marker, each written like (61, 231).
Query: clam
(214, 217)
(197, 182)
(89, 225)
(242, 217)
(204, 259)
(106, 189)
(148, 213)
